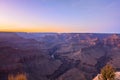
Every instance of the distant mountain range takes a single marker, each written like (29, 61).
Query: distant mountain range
(58, 56)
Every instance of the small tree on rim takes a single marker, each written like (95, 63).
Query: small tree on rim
(107, 73)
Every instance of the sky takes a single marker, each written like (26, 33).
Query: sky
(91, 16)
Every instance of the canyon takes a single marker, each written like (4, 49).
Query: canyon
(58, 56)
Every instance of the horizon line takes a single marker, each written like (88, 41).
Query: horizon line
(58, 32)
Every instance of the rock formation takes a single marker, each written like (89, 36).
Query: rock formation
(57, 56)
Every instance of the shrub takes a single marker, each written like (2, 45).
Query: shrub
(17, 77)
(107, 73)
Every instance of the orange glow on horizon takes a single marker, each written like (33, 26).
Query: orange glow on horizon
(15, 28)
(30, 29)
(42, 28)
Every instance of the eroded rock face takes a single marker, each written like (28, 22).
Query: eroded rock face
(53, 56)
(73, 74)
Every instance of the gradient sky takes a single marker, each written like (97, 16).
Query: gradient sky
(99, 16)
